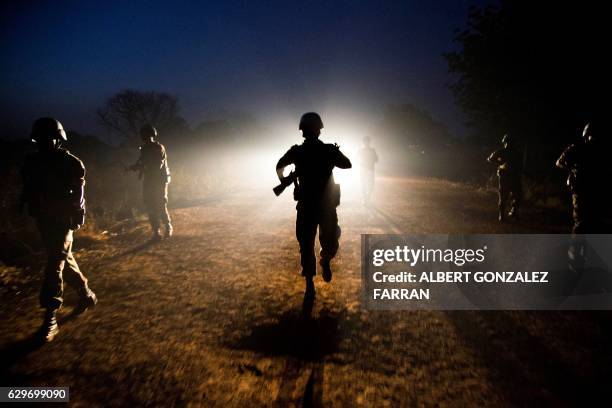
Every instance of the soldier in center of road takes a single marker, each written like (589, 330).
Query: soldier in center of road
(317, 196)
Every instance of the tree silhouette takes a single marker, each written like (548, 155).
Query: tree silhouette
(536, 68)
(126, 112)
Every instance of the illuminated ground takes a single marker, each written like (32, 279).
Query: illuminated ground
(215, 316)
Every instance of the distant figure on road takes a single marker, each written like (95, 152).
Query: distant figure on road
(53, 191)
(588, 166)
(317, 196)
(509, 164)
(367, 160)
(152, 167)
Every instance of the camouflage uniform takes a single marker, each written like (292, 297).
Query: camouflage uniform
(152, 166)
(317, 197)
(509, 171)
(53, 190)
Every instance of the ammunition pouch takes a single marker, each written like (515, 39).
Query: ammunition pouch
(297, 194)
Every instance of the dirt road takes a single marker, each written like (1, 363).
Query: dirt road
(214, 316)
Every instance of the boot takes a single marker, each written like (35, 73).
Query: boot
(327, 272)
(156, 235)
(169, 231)
(49, 328)
(88, 300)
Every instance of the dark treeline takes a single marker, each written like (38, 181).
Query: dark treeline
(538, 70)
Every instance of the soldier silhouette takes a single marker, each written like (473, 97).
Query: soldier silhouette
(152, 167)
(317, 196)
(587, 164)
(509, 164)
(367, 161)
(53, 191)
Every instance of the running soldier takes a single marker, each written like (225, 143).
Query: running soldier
(317, 196)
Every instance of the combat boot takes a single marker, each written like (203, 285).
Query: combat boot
(310, 288)
(327, 272)
(169, 231)
(156, 235)
(88, 299)
(49, 328)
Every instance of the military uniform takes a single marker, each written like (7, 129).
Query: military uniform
(53, 184)
(586, 163)
(509, 171)
(317, 197)
(155, 173)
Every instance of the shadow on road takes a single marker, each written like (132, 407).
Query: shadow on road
(15, 352)
(303, 338)
(298, 335)
(528, 370)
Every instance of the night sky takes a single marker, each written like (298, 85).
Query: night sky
(262, 58)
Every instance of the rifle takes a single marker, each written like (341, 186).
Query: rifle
(285, 182)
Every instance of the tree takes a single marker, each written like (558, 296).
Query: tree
(127, 111)
(410, 125)
(537, 69)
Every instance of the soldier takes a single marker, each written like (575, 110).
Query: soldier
(367, 160)
(53, 190)
(152, 167)
(586, 163)
(509, 171)
(317, 196)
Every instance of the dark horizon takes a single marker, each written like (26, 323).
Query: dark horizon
(222, 59)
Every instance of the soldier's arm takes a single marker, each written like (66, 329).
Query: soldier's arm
(287, 159)
(137, 166)
(565, 161)
(341, 161)
(495, 157)
(77, 184)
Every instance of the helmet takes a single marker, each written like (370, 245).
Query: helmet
(506, 139)
(311, 121)
(148, 130)
(47, 128)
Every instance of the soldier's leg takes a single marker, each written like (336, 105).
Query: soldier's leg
(503, 197)
(52, 288)
(306, 231)
(72, 273)
(74, 278)
(329, 234)
(151, 202)
(517, 195)
(163, 211)
(578, 214)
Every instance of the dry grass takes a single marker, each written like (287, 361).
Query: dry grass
(214, 317)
